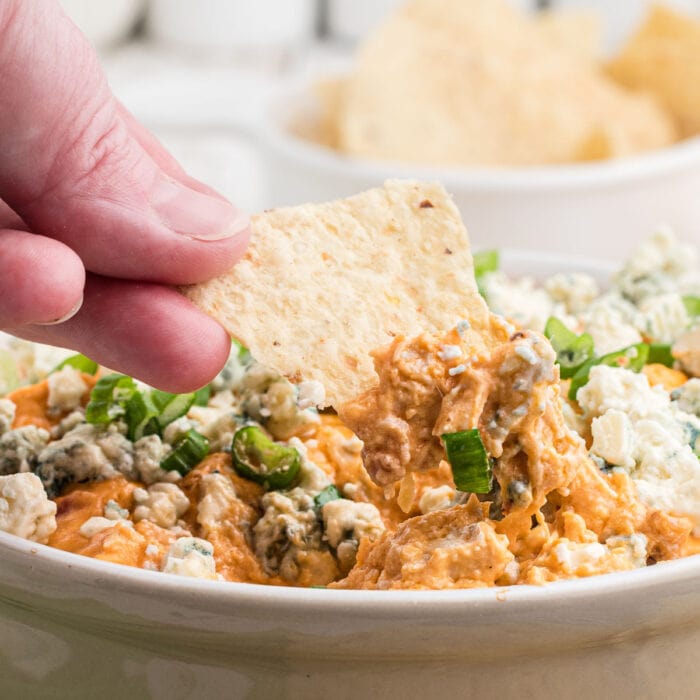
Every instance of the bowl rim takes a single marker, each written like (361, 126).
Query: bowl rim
(182, 590)
(281, 106)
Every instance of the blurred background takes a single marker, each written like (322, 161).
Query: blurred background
(197, 73)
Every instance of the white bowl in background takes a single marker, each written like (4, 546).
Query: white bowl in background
(104, 23)
(74, 627)
(597, 209)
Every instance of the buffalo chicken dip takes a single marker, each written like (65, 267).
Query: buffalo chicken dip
(563, 446)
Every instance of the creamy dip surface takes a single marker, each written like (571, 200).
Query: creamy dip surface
(520, 461)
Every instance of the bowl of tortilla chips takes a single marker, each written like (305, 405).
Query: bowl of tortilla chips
(541, 141)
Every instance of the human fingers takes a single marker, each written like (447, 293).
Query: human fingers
(73, 168)
(9, 219)
(145, 330)
(41, 282)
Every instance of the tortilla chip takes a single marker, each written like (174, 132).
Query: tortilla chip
(473, 82)
(575, 29)
(663, 57)
(322, 285)
(320, 123)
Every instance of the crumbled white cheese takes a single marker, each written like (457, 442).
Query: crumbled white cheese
(96, 524)
(663, 318)
(179, 427)
(344, 519)
(312, 478)
(520, 301)
(437, 498)
(656, 267)
(663, 464)
(148, 453)
(220, 427)
(311, 394)
(614, 439)
(463, 326)
(19, 448)
(611, 321)
(86, 453)
(635, 546)
(113, 511)
(613, 387)
(66, 390)
(353, 445)
(7, 415)
(687, 397)
(573, 556)
(67, 423)
(163, 504)
(272, 400)
(190, 556)
(686, 350)
(218, 498)
(574, 290)
(345, 523)
(449, 352)
(25, 509)
(289, 524)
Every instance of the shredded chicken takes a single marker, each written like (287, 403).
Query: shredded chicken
(543, 475)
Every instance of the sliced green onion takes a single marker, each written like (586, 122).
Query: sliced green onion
(242, 351)
(109, 397)
(187, 452)
(633, 358)
(258, 458)
(572, 350)
(141, 416)
(79, 362)
(471, 466)
(484, 261)
(659, 353)
(171, 406)
(9, 377)
(692, 305)
(202, 396)
(330, 493)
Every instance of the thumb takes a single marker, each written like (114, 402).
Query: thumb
(77, 168)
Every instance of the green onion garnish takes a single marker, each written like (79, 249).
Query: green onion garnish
(572, 350)
(145, 412)
(471, 465)
(170, 406)
(242, 353)
(109, 397)
(150, 412)
(633, 358)
(692, 305)
(9, 378)
(660, 353)
(79, 362)
(202, 396)
(330, 493)
(257, 458)
(141, 416)
(484, 261)
(187, 452)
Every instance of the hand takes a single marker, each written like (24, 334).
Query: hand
(98, 220)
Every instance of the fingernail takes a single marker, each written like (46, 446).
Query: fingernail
(196, 214)
(69, 315)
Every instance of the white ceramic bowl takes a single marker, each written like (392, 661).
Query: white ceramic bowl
(74, 627)
(596, 209)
